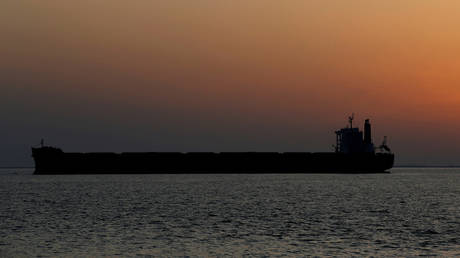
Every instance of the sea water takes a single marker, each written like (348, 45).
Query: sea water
(409, 212)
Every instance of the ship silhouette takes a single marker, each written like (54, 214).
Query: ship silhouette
(354, 153)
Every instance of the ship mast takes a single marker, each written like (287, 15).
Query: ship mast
(350, 119)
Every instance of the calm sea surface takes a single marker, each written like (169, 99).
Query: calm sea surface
(409, 212)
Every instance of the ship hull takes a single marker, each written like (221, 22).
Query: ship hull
(54, 161)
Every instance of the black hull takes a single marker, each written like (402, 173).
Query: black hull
(53, 161)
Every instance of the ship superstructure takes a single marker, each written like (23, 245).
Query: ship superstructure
(352, 140)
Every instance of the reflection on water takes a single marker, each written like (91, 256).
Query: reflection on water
(407, 212)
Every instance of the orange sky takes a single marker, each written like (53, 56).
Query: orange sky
(261, 74)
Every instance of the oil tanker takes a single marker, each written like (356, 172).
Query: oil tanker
(354, 153)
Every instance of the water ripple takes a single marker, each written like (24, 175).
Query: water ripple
(409, 212)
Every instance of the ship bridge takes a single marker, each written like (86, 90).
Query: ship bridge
(352, 140)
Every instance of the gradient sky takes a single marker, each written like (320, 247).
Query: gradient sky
(214, 75)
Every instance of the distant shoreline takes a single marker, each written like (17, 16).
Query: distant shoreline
(398, 166)
(427, 166)
(14, 167)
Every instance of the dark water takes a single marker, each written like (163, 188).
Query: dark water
(408, 212)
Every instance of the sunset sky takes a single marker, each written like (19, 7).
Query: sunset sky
(214, 75)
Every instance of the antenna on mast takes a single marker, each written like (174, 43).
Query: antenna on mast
(350, 119)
